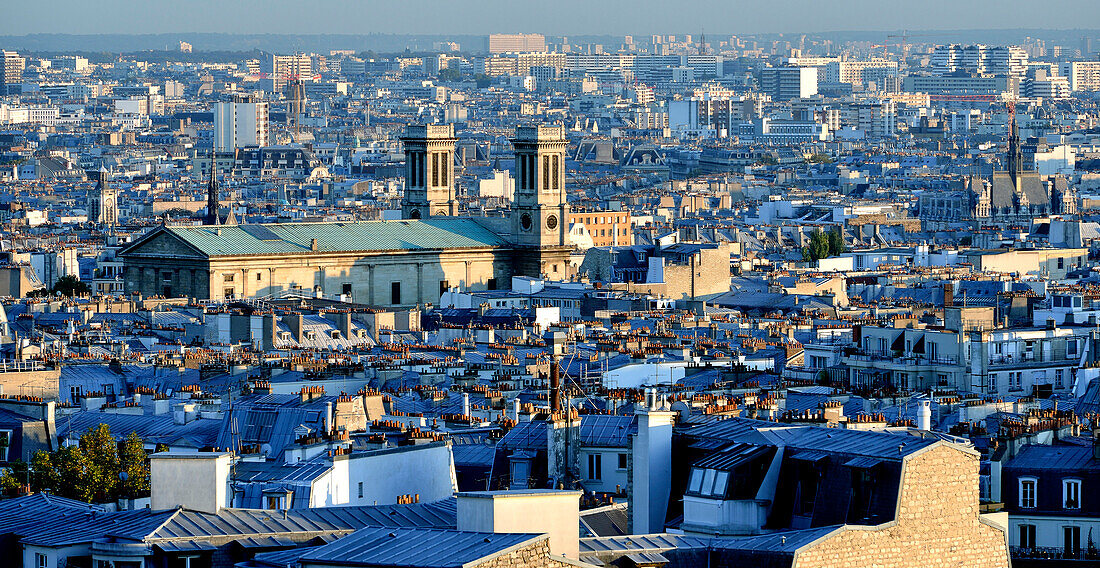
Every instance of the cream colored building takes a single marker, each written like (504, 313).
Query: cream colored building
(385, 263)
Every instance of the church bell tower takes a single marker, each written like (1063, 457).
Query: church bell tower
(540, 211)
(429, 179)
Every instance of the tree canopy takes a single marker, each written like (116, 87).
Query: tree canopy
(97, 468)
(823, 245)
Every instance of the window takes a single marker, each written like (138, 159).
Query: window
(360, 489)
(491, 283)
(622, 461)
(1027, 493)
(74, 394)
(1071, 348)
(1058, 378)
(395, 293)
(993, 382)
(5, 443)
(595, 466)
(41, 560)
(345, 288)
(227, 293)
(1071, 540)
(1027, 536)
(444, 286)
(274, 502)
(1071, 493)
(228, 277)
(695, 483)
(259, 276)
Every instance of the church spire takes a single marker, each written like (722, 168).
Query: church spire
(212, 201)
(1015, 153)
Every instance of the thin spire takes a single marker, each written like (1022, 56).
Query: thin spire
(212, 201)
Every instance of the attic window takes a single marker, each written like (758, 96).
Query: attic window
(335, 334)
(311, 335)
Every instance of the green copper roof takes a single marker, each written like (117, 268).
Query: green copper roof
(284, 238)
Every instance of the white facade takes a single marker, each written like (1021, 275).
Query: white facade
(237, 125)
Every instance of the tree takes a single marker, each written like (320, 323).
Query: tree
(768, 160)
(15, 477)
(91, 470)
(133, 462)
(70, 285)
(836, 242)
(43, 473)
(483, 80)
(71, 470)
(823, 245)
(101, 450)
(449, 74)
(819, 158)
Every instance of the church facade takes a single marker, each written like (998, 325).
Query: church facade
(398, 263)
(1013, 197)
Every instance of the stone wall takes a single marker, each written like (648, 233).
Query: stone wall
(536, 555)
(937, 523)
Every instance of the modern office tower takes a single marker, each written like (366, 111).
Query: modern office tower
(285, 68)
(503, 43)
(238, 125)
(11, 76)
(979, 59)
(429, 180)
(786, 83)
(1082, 75)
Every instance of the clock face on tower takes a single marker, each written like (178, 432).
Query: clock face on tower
(552, 222)
(525, 222)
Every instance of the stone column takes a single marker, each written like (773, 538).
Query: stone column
(419, 282)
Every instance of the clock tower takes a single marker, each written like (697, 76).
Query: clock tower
(540, 211)
(429, 179)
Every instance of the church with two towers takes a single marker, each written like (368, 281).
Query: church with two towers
(393, 263)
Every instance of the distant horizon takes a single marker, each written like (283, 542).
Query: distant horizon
(564, 17)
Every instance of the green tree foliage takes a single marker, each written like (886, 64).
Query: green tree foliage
(134, 462)
(70, 285)
(101, 450)
(823, 245)
(90, 470)
(819, 158)
(72, 470)
(483, 80)
(449, 74)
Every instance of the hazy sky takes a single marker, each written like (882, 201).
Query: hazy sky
(554, 17)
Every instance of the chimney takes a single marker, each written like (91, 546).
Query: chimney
(924, 416)
(650, 470)
(948, 294)
(465, 404)
(195, 480)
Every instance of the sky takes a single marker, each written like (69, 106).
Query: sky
(551, 17)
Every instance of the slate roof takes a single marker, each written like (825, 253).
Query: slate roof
(883, 445)
(430, 548)
(154, 429)
(601, 430)
(297, 238)
(1055, 458)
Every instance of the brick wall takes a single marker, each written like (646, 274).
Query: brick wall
(937, 523)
